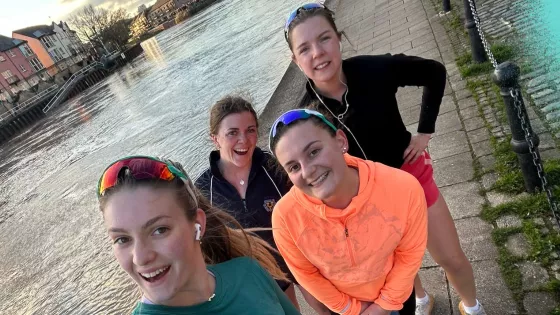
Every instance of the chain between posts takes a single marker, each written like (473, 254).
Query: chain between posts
(522, 115)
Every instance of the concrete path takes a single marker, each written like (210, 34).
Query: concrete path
(413, 27)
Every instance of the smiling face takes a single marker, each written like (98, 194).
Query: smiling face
(313, 159)
(154, 242)
(316, 49)
(237, 138)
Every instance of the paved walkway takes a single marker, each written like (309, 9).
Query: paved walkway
(412, 27)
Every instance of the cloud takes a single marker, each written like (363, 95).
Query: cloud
(130, 6)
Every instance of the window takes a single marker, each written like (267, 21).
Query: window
(7, 74)
(25, 50)
(22, 68)
(36, 64)
(54, 55)
(47, 41)
(11, 53)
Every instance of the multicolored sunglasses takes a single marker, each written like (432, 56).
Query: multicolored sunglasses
(294, 115)
(142, 168)
(292, 16)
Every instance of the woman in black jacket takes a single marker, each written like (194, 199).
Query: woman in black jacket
(358, 94)
(241, 180)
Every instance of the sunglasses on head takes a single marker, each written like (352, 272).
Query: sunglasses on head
(294, 14)
(295, 115)
(141, 168)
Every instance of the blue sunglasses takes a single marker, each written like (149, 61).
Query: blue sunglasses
(292, 16)
(295, 115)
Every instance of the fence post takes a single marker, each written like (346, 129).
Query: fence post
(506, 76)
(446, 5)
(477, 49)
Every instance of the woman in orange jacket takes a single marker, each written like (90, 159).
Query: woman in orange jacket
(353, 232)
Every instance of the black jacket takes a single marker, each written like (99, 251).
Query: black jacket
(373, 115)
(264, 188)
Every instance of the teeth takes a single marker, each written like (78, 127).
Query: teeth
(239, 150)
(153, 274)
(321, 66)
(319, 180)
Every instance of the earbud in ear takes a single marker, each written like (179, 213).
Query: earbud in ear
(198, 228)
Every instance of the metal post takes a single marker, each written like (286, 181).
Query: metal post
(446, 6)
(477, 49)
(506, 76)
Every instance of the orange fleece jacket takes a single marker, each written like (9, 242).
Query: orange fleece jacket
(369, 251)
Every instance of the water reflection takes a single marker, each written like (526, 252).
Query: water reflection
(153, 51)
(55, 256)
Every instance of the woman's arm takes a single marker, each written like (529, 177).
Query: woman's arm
(308, 275)
(408, 254)
(431, 74)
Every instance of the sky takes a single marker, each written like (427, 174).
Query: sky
(17, 14)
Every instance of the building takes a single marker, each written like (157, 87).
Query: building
(70, 41)
(162, 11)
(140, 24)
(20, 68)
(141, 8)
(47, 45)
(165, 10)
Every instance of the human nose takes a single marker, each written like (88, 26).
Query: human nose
(142, 254)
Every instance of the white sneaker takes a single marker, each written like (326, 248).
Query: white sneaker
(481, 310)
(425, 309)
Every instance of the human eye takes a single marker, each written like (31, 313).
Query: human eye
(314, 152)
(160, 230)
(232, 133)
(121, 240)
(293, 168)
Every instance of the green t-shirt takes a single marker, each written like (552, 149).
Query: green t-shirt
(242, 287)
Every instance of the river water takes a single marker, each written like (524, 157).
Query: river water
(55, 257)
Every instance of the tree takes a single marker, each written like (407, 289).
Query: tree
(100, 26)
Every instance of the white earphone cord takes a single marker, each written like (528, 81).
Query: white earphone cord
(337, 117)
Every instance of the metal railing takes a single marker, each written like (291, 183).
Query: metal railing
(21, 106)
(524, 142)
(69, 84)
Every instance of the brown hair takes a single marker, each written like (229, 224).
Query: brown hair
(224, 238)
(230, 104)
(304, 15)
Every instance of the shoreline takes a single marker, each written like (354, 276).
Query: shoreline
(288, 93)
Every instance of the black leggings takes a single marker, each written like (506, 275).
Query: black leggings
(409, 306)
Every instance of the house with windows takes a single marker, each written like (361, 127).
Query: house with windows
(70, 41)
(140, 24)
(165, 10)
(48, 47)
(20, 68)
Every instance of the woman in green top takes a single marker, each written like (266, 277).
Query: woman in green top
(186, 256)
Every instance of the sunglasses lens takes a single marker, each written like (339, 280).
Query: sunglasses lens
(288, 118)
(294, 13)
(139, 168)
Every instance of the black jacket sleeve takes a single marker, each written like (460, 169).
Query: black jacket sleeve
(431, 74)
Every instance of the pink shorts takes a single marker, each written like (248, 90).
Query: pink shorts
(423, 171)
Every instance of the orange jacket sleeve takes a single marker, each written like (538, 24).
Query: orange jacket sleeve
(408, 254)
(308, 275)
